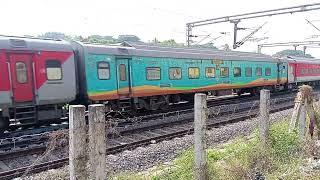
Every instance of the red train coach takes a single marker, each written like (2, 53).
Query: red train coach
(303, 71)
(37, 77)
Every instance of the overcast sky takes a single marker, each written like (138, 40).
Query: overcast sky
(163, 19)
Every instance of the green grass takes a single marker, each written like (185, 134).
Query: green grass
(241, 159)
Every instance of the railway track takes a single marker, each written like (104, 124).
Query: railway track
(136, 124)
(124, 121)
(140, 117)
(134, 137)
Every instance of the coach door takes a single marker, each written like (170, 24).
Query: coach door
(21, 77)
(123, 77)
(292, 73)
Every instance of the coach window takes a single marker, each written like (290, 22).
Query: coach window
(103, 70)
(21, 70)
(54, 70)
(122, 71)
(268, 71)
(258, 71)
(224, 72)
(153, 73)
(237, 72)
(210, 72)
(248, 71)
(175, 73)
(194, 73)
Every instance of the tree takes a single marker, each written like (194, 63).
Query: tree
(53, 35)
(171, 43)
(207, 45)
(100, 39)
(130, 38)
(290, 52)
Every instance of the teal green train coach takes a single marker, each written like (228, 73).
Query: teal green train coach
(151, 77)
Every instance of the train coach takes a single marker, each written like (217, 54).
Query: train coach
(37, 77)
(40, 76)
(303, 71)
(150, 77)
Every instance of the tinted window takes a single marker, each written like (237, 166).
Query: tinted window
(153, 73)
(123, 73)
(248, 72)
(237, 72)
(103, 70)
(258, 71)
(224, 72)
(175, 73)
(21, 72)
(54, 70)
(210, 72)
(268, 71)
(194, 73)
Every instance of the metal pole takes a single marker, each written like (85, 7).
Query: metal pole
(259, 48)
(235, 31)
(189, 32)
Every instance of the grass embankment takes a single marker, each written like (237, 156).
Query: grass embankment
(245, 158)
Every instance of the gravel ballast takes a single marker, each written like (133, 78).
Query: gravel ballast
(143, 158)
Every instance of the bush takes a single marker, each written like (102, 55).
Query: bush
(283, 144)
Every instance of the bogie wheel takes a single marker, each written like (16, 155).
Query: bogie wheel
(165, 104)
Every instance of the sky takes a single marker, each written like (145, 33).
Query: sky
(161, 19)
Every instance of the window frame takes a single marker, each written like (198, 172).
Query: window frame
(250, 71)
(234, 71)
(260, 71)
(214, 69)
(125, 72)
(194, 68)
(99, 62)
(265, 73)
(27, 78)
(60, 70)
(146, 69)
(221, 71)
(174, 68)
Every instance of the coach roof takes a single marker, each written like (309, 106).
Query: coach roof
(147, 50)
(195, 53)
(33, 44)
(116, 49)
(301, 60)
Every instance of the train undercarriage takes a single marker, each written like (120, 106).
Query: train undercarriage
(24, 116)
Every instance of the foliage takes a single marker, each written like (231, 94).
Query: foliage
(100, 39)
(170, 43)
(53, 35)
(129, 38)
(121, 38)
(242, 159)
(91, 39)
(208, 45)
(283, 143)
(289, 52)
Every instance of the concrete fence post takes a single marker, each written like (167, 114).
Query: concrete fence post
(302, 120)
(264, 115)
(296, 111)
(77, 143)
(200, 118)
(97, 143)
